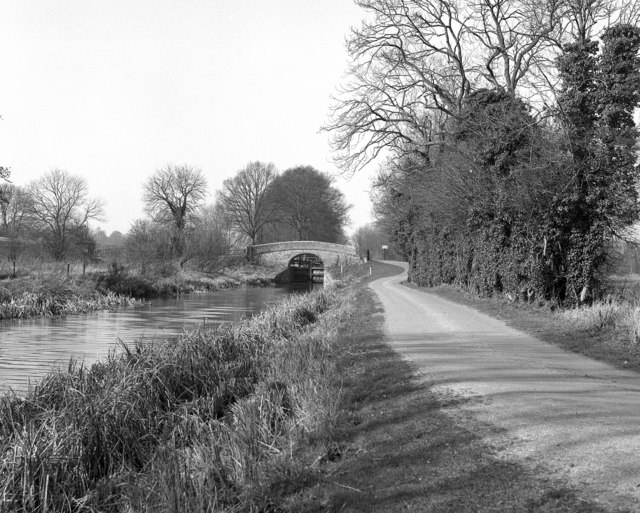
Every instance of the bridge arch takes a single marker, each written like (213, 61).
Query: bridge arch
(305, 267)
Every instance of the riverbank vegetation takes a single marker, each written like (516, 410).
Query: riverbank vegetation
(215, 420)
(181, 281)
(54, 289)
(51, 292)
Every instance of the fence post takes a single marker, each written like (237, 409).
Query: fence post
(68, 268)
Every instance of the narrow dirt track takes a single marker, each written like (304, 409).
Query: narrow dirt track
(579, 417)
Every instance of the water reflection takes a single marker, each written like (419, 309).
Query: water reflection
(30, 348)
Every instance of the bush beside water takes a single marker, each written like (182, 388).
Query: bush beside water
(35, 304)
(205, 422)
(147, 286)
(54, 294)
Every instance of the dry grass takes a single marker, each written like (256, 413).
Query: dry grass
(619, 317)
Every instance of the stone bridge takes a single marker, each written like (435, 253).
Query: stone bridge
(281, 254)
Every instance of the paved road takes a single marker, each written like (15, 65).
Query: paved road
(578, 416)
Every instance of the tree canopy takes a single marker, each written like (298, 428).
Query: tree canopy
(308, 206)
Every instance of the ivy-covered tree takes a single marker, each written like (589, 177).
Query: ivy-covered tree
(577, 110)
(616, 151)
(596, 104)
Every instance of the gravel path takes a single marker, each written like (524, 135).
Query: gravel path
(579, 417)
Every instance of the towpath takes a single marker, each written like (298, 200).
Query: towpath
(578, 417)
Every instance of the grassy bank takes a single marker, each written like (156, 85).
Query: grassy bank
(50, 290)
(216, 420)
(183, 281)
(607, 330)
(54, 294)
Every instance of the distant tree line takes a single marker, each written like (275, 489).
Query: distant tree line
(51, 216)
(509, 138)
(372, 242)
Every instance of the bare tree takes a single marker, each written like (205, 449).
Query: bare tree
(213, 242)
(147, 245)
(415, 62)
(171, 195)
(14, 203)
(582, 20)
(514, 39)
(245, 197)
(61, 207)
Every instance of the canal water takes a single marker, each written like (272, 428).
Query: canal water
(31, 348)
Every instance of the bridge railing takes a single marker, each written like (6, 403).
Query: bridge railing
(302, 245)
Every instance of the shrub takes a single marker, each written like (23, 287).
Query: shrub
(119, 281)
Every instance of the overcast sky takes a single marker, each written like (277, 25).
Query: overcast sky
(114, 89)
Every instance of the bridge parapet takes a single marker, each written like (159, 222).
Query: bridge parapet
(281, 253)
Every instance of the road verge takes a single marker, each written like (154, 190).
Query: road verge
(591, 330)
